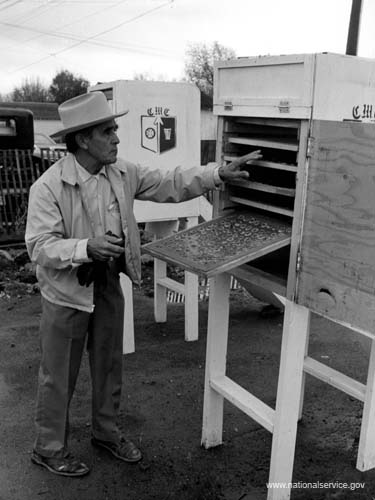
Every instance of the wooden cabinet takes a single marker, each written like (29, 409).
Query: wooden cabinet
(312, 117)
(302, 227)
(317, 172)
(264, 86)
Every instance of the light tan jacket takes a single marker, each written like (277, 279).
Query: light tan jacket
(57, 220)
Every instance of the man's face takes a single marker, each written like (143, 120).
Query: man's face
(102, 144)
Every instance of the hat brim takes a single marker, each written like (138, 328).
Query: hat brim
(82, 126)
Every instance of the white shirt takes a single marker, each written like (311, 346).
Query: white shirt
(103, 207)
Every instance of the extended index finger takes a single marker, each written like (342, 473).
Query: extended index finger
(254, 155)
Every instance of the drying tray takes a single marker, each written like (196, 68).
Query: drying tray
(223, 243)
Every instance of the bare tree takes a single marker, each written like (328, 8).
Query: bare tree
(31, 90)
(151, 77)
(199, 64)
(142, 77)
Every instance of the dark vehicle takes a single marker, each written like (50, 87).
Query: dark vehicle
(46, 147)
(16, 129)
(18, 169)
(24, 156)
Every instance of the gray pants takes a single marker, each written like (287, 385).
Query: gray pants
(63, 332)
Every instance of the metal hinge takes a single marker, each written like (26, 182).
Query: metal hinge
(298, 260)
(284, 107)
(310, 147)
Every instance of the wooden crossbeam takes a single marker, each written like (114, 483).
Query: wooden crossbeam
(171, 285)
(334, 378)
(245, 401)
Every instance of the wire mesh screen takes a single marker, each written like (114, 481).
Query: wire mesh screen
(18, 170)
(203, 291)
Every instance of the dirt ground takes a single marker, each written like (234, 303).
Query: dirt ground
(162, 410)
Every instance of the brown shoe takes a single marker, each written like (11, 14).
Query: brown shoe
(62, 466)
(124, 450)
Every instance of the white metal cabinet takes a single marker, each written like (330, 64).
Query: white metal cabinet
(161, 130)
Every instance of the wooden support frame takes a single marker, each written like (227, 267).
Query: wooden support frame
(191, 306)
(161, 284)
(331, 268)
(315, 139)
(303, 381)
(294, 365)
(295, 334)
(366, 448)
(282, 422)
(160, 291)
(335, 378)
(217, 339)
(189, 289)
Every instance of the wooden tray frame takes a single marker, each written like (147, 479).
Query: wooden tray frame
(212, 257)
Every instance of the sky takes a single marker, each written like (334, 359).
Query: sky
(106, 40)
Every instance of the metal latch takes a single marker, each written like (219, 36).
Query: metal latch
(310, 147)
(228, 106)
(298, 260)
(284, 107)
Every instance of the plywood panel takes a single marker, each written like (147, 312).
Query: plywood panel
(223, 243)
(337, 266)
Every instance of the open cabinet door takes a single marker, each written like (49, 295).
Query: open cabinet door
(336, 275)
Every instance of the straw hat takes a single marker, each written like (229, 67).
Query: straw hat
(84, 111)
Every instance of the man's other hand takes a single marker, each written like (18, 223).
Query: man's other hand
(105, 247)
(232, 171)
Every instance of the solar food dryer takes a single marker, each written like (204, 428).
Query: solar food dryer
(301, 227)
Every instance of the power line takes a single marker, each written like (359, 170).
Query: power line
(100, 43)
(8, 6)
(91, 2)
(143, 14)
(80, 19)
(88, 39)
(34, 11)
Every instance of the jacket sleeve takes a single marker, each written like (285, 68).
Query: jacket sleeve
(45, 236)
(175, 185)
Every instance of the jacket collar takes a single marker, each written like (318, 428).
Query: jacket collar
(69, 172)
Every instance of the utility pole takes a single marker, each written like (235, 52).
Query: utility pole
(354, 24)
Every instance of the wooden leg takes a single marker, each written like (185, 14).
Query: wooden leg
(217, 340)
(302, 396)
(295, 331)
(161, 229)
(128, 344)
(191, 297)
(191, 306)
(160, 292)
(366, 449)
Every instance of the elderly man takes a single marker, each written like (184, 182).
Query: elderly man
(81, 232)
